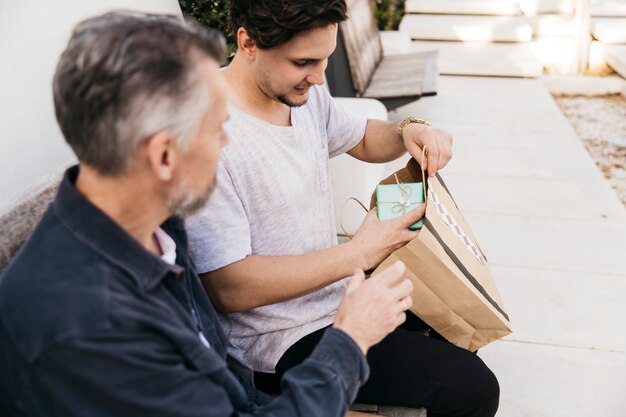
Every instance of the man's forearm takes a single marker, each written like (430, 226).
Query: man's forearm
(261, 280)
(381, 143)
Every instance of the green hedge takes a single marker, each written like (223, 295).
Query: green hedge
(388, 13)
(214, 13)
(210, 13)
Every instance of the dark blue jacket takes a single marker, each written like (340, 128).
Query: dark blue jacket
(92, 324)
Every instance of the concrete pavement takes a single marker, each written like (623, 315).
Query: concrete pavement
(555, 234)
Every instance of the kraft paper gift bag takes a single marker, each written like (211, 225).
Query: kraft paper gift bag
(454, 292)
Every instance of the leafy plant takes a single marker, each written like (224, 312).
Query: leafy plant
(210, 13)
(388, 13)
(214, 14)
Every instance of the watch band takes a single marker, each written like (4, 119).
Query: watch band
(410, 120)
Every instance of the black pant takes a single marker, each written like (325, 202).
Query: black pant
(413, 369)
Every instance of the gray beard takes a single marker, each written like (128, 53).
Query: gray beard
(185, 205)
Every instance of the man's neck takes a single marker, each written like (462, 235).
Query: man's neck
(126, 202)
(250, 97)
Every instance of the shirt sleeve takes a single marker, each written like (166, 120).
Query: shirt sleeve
(219, 234)
(119, 376)
(338, 353)
(344, 129)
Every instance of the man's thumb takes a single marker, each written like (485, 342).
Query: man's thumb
(355, 281)
(414, 215)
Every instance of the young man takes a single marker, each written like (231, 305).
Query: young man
(101, 312)
(266, 246)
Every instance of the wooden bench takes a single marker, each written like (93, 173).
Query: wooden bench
(367, 410)
(359, 67)
(18, 223)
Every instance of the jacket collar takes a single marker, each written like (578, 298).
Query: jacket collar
(89, 224)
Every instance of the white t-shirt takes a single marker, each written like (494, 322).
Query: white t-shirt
(274, 198)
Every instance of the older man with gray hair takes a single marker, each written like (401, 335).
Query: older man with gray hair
(102, 312)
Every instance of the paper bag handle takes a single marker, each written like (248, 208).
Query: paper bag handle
(424, 178)
(343, 206)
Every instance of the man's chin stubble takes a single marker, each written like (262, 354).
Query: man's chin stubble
(287, 102)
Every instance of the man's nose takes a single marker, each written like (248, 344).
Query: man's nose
(317, 75)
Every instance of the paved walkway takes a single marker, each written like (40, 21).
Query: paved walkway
(555, 234)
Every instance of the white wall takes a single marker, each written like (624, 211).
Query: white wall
(32, 36)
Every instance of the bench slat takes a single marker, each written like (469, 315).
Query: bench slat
(404, 78)
(362, 43)
(18, 223)
(384, 410)
(359, 68)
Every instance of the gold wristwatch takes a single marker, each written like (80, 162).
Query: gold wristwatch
(410, 120)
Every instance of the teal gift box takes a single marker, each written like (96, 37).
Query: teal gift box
(394, 200)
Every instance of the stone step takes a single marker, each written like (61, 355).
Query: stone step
(615, 56)
(589, 302)
(558, 55)
(485, 59)
(467, 28)
(464, 7)
(609, 30)
(608, 8)
(586, 200)
(507, 241)
(543, 380)
(555, 54)
(537, 7)
(573, 85)
(598, 8)
(554, 25)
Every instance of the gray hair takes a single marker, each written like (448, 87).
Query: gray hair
(125, 77)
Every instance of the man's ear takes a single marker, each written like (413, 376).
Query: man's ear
(162, 153)
(245, 44)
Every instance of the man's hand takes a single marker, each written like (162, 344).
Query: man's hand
(437, 141)
(377, 239)
(373, 308)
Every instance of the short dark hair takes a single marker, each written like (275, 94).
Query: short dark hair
(125, 76)
(271, 23)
